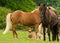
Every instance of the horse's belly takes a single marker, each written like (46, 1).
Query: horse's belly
(26, 21)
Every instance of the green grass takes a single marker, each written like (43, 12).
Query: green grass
(22, 38)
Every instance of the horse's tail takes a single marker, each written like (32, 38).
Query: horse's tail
(8, 23)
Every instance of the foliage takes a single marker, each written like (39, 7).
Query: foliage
(58, 6)
(25, 5)
(3, 12)
(47, 2)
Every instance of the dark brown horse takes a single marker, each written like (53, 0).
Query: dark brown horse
(49, 20)
(25, 18)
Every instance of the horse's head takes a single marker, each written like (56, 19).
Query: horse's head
(42, 10)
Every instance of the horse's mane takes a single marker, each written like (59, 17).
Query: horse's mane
(52, 8)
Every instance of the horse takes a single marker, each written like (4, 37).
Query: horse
(49, 19)
(40, 28)
(25, 18)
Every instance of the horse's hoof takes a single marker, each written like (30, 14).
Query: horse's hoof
(57, 39)
(16, 38)
(44, 40)
(53, 40)
(49, 40)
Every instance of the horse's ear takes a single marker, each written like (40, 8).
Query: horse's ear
(43, 4)
(49, 8)
(39, 4)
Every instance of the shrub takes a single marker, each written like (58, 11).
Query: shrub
(3, 12)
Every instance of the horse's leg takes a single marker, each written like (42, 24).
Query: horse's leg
(57, 32)
(36, 29)
(40, 29)
(54, 32)
(57, 37)
(44, 33)
(14, 31)
(49, 32)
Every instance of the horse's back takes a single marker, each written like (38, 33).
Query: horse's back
(54, 16)
(25, 18)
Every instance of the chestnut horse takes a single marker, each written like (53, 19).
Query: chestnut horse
(25, 18)
(49, 19)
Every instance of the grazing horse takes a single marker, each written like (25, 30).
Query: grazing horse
(25, 18)
(49, 19)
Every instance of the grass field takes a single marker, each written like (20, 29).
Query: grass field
(22, 38)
